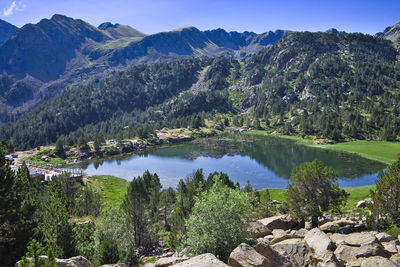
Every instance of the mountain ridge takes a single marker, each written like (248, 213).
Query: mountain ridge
(6, 30)
(117, 31)
(41, 60)
(323, 84)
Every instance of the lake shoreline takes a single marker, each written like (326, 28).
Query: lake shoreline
(361, 148)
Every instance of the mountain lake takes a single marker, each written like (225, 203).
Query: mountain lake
(265, 161)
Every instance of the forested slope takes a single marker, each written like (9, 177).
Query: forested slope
(330, 85)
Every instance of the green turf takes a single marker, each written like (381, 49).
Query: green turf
(382, 151)
(356, 194)
(275, 194)
(112, 189)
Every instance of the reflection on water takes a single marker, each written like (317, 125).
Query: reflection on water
(265, 161)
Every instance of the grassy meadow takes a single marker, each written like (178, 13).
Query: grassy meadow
(382, 151)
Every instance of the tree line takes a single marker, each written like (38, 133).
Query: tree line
(64, 218)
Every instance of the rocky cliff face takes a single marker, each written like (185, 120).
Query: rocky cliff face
(391, 33)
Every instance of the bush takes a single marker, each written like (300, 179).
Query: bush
(108, 251)
(218, 222)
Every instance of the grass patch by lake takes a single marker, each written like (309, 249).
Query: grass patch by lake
(112, 189)
(382, 151)
(356, 194)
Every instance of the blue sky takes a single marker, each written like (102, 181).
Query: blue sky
(151, 16)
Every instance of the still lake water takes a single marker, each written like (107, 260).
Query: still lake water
(263, 160)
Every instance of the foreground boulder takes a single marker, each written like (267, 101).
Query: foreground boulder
(168, 261)
(338, 239)
(376, 261)
(345, 253)
(77, 261)
(358, 239)
(275, 258)
(396, 259)
(384, 237)
(325, 259)
(284, 222)
(334, 225)
(113, 265)
(392, 247)
(246, 256)
(204, 260)
(318, 240)
(293, 250)
(370, 250)
(257, 229)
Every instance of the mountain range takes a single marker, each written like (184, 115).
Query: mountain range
(39, 61)
(66, 77)
(330, 84)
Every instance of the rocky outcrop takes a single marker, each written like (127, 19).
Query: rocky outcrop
(283, 246)
(204, 260)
